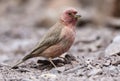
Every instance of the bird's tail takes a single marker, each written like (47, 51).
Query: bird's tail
(24, 59)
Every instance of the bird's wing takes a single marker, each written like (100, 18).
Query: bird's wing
(51, 38)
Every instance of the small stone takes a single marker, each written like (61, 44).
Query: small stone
(49, 75)
(114, 47)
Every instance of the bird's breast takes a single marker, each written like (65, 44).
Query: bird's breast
(68, 34)
(67, 37)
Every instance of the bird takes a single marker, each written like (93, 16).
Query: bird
(58, 39)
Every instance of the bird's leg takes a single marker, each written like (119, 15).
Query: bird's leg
(52, 62)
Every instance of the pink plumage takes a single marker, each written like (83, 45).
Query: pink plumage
(58, 39)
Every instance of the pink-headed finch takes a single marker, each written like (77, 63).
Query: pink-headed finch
(58, 39)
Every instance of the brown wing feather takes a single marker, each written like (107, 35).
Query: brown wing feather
(51, 38)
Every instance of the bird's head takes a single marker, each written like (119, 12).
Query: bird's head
(69, 16)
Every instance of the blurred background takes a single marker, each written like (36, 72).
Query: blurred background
(23, 22)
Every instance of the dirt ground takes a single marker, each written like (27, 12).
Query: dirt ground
(89, 63)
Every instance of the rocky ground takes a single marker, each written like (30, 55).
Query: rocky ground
(85, 61)
(23, 23)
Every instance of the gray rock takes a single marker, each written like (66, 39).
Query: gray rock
(114, 47)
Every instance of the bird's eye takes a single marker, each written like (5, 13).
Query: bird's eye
(69, 13)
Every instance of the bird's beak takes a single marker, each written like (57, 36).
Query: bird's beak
(77, 16)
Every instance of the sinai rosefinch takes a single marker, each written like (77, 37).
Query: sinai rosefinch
(58, 39)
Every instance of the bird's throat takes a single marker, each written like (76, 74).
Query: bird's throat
(71, 23)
